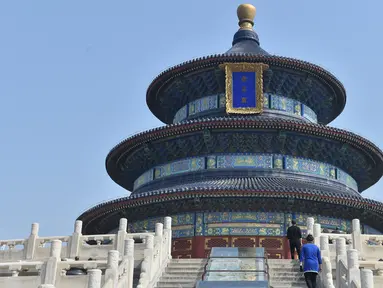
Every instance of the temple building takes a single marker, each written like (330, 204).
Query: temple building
(246, 149)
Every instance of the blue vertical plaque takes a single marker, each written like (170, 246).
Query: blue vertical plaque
(244, 90)
(244, 87)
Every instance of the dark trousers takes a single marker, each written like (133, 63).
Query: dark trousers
(311, 279)
(295, 245)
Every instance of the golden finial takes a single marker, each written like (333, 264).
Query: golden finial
(246, 14)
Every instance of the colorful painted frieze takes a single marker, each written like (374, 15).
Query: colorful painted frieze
(309, 114)
(235, 229)
(307, 166)
(183, 219)
(199, 224)
(282, 103)
(266, 101)
(211, 162)
(178, 167)
(328, 222)
(222, 100)
(181, 114)
(346, 179)
(300, 218)
(143, 179)
(255, 217)
(245, 161)
(203, 104)
(183, 231)
(297, 108)
(278, 161)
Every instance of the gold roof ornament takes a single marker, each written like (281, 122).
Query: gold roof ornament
(246, 15)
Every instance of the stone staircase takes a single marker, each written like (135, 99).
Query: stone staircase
(182, 273)
(284, 273)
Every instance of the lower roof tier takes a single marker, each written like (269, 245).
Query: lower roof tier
(277, 198)
(348, 152)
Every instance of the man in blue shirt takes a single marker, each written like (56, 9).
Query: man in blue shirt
(312, 261)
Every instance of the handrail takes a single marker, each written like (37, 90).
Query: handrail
(204, 267)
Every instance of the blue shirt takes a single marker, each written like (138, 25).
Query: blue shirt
(311, 258)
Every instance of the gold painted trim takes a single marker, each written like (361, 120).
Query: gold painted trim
(258, 68)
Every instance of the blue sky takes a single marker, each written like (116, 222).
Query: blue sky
(74, 76)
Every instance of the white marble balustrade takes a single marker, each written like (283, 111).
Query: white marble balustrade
(352, 258)
(76, 245)
(112, 265)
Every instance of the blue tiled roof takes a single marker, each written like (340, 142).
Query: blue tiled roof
(246, 42)
(255, 184)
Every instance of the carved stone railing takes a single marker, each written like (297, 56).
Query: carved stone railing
(76, 245)
(156, 255)
(348, 248)
(52, 270)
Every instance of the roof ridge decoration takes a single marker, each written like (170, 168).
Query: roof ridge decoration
(246, 15)
(246, 41)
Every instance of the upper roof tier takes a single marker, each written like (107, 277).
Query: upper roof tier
(178, 90)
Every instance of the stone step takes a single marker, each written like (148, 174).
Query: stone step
(179, 280)
(283, 267)
(182, 274)
(186, 264)
(183, 271)
(286, 274)
(193, 260)
(189, 278)
(296, 283)
(178, 285)
(188, 267)
(282, 261)
(290, 278)
(288, 285)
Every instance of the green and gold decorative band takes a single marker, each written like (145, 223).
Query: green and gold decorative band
(260, 161)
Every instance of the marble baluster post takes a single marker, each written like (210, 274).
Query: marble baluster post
(146, 266)
(159, 234)
(129, 254)
(341, 254)
(75, 240)
(168, 232)
(324, 246)
(31, 242)
(366, 278)
(356, 237)
(94, 278)
(317, 233)
(353, 272)
(121, 235)
(111, 271)
(50, 271)
(310, 225)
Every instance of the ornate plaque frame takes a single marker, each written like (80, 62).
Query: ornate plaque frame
(258, 68)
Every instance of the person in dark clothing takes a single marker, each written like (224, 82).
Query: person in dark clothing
(312, 261)
(294, 235)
